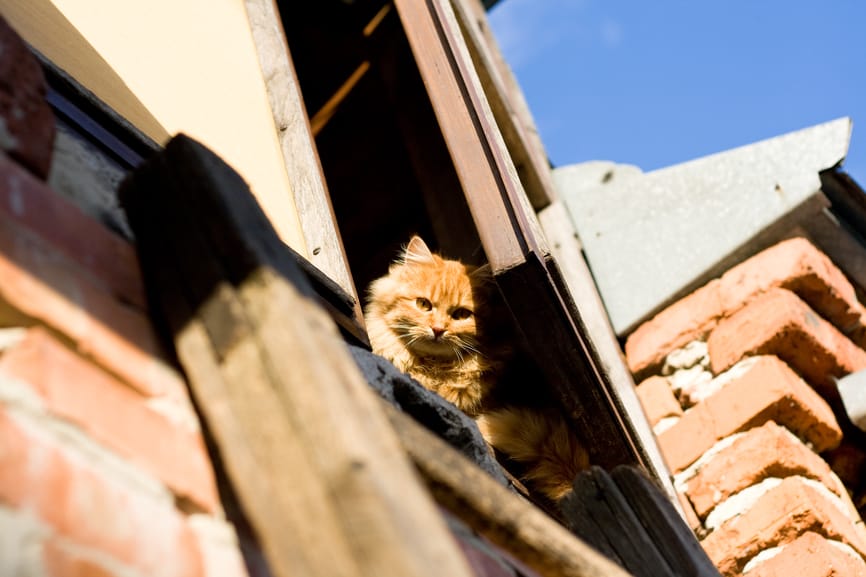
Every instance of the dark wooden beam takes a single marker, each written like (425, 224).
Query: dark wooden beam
(511, 235)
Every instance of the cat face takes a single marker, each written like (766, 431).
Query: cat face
(431, 304)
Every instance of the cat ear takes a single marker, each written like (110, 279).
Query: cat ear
(417, 252)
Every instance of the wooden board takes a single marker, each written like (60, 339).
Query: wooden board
(588, 309)
(673, 538)
(440, 189)
(482, 163)
(318, 471)
(626, 516)
(507, 104)
(308, 185)
(511, 235)
(598, 502)
(496, 513)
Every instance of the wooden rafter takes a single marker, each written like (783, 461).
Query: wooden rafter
(507, 104)
(304, 170)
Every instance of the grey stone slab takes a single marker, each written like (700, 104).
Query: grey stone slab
(650, 238)
(83, 174)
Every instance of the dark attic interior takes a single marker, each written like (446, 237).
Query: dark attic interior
(375, 130)
(184, 392)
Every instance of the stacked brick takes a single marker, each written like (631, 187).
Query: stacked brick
(737, 380)
(103, 467)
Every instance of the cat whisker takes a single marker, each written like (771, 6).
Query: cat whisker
(413, 339)
(458, 352)
(404, 328)
(465, 345)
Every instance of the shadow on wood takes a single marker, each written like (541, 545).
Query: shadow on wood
(307, 449)
(316, 468)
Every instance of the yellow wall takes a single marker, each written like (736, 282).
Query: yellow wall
(172, 66)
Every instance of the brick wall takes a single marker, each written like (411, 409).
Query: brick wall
(737, 382)
(103, 468)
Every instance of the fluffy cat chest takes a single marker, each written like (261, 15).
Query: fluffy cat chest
(446, 371)
(466, 388)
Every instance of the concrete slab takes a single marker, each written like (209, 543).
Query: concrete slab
(651, 238)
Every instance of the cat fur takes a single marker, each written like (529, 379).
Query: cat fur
(442, 322)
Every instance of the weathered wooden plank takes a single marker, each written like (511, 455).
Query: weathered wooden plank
(589, 311)
(391, 525)
(507, 104)
(298, 526)
(499, 515)
(597, 496)
(298, 146)
(481, 161)
(509, 230)
(563, 357)
(583, 524)
(516, 201)
(514, 94)
(663, 524)
(846, 197)
(315, 464)
(255, 462)
(251, 241)
(440, 189)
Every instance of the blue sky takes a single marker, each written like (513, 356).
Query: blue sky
(658, 83)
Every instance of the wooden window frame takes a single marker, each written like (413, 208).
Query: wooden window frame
(310, 190)
(586, 373)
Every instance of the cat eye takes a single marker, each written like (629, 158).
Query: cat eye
(423, 304)
(460, 314)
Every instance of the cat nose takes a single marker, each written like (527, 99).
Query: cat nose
(437, 331)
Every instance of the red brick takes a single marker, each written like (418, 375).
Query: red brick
(28, 124)
(114, 415)
(810, 555)
(41, 286)
(798, 266)
(768, 391)
(59, 561)
(87, 507)
(658, 400)
(760, 453)
(779, 323)
(29, 204)
(691, 518)
(782, 514)
(794, 264)
(689, 319)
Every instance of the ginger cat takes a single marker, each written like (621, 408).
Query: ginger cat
(442, 322)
